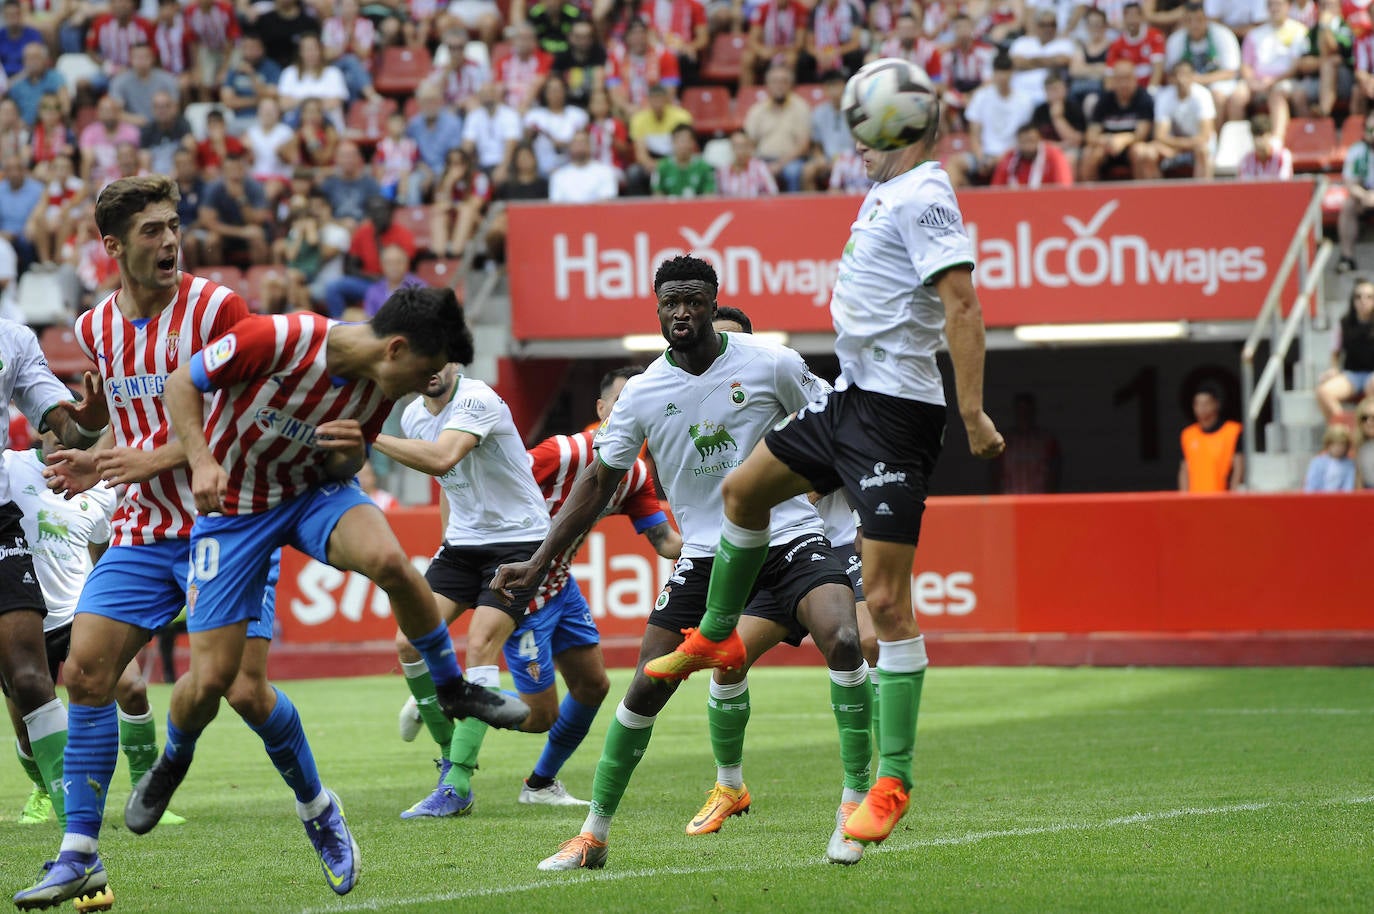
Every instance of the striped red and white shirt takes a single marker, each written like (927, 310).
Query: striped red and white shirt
(834, 24)
(175, 44)
(357, 37)
(214, 25)
(134, 360)
(272, 389)
(1278, 167)
(556, 463)
(521, 76)
(111, 42)
(754, 180)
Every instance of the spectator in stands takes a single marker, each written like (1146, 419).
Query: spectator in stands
(1326, 66)
(684, 173)
(583, 179)
(993, 114)
(746, 175)
(833, 40)
(1142, 45)
(553, 21)
(363, 264)
(1351, 375)
(582, 64)
(681, 27)
(1032, 464)
(967, 63)
(215, 31)
(651, 131)
(523, 182)
(51, 135)
(311, 77)
(1268, 159)
(128, 162)
(1119, 130)
(491, 130)
(830, 137)
(1363, 89)
(1035, 55)
(348, 39)
(1089, 71)
(1269, 63)
(1358, 176)
(458, 76)
(777, 29)
(1032, 162)
(187, 172)
(35, 81)
(9, 283)
(1332, 470)
(550, 125)
(1185, 127)
(218, 143)
(1214, 52)
(395, 274)
(316, 139)
(779, 126)
(99, 140)
(907, 43)
(252, 78)
(1364, 443)
(1210, 459)
(15, 35)
(281, 29)
(1239, 16)
(271, 145)
(459, 200)
(1060, 119)
(480, 17)
(637, 66)
(53, 220)
(174, 45)
(523, 68)
(849, 174)
(167, 132)
(113, 35)
(234, 215)
(350, 187)
(367, 479)
(394, 161)
(435, 131)
(136, 86)
(609, 136)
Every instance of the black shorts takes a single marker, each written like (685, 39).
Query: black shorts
(854, 567)
(464, 573)
(880, 449)
(57, 644)
(789, 573)
(18, 581)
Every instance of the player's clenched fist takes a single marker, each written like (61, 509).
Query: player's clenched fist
(984, 440)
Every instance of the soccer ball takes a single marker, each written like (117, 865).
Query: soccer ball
(889, 104)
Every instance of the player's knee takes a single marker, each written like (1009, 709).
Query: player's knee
(30, 686)
(392, 571)
(88, 683)
(591, 691)
(845, 652)
(133, 695)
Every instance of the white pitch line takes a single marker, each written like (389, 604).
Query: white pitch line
(1140, 818)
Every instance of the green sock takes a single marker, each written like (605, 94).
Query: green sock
(853, 719)
(47, 754)
(622, 752)
(727, 717)
(732, 578)
(897, 733)
(30, 767)
(462, 752)
(875, 707)
(138, 742)
(422, 687)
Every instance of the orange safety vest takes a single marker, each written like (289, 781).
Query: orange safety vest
(1209, 456)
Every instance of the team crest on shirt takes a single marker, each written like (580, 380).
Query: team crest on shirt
(737, 394)
(173, 344)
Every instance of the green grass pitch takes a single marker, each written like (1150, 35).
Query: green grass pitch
(1039, 790)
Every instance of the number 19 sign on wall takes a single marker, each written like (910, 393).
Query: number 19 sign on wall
(1111, 252)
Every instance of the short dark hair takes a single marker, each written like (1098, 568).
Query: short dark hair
(686, 267)
(1133, 3)
(615, 374)
(430, 319)
(125, 198)
(1213, 390)
(832, 76)
(1260, 124)
(1028, 127)
(1002, 62)
(684, 128)
(1095, 11)
(731, 313)
(1194, 6)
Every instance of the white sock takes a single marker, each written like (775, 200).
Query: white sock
(728, 690)
(743, 537)
(414, 670)
(45, 720)
(488, 677)
(315, 808)
(632, 720)
(18, 747)
(907, 656)
(731, 776)
(850, 795)
(144, 718)
(81, 844)
(598, 826)
(850, 678)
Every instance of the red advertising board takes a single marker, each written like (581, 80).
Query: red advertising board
(1110, 252)
(1107, 563)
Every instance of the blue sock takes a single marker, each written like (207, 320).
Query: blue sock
(88, 765)
(436, 649)
(566, 734)
(289, 750)
(179, 745)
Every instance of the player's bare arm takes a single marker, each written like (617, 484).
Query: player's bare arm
(345, 447)
(666, 541)
(964, 330)
(589, 495)
(186, 411)
(433, 458)
(80, 424)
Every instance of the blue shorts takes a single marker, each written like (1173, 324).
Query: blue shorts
(157, 574)
(564, 622)
(231, 556)
(1358, 380)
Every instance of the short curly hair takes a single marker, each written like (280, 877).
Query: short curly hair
(686, 267)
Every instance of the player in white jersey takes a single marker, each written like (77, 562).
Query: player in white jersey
(905, 275)
(67, 536)
(701, 406)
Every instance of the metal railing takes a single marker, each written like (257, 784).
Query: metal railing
(1309, 254)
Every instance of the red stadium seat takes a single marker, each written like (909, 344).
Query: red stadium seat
(225, 276)
(401, 70)
(253, 280)
(950, 145)
(441, 274)
(723, 59)
(366, 120)
(747, 98)
(711, 111)
(1352, 131)
(63, 353)
(1312, 141)
(415, 218)
(814, 93)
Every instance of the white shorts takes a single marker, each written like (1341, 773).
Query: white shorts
(472, 12)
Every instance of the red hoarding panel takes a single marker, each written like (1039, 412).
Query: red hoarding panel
(1113, 252)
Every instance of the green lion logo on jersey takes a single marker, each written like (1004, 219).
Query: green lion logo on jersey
(710, 438)
(51, 527)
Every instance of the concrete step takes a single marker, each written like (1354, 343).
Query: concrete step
(1276, 472)
(1298, 407)
(1302, 439)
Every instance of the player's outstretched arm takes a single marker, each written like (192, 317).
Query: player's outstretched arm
(434, 458)
(186, 410)
(964, 329)
(80, 424)
(666, 541)
(127, 465)
(588, 498)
